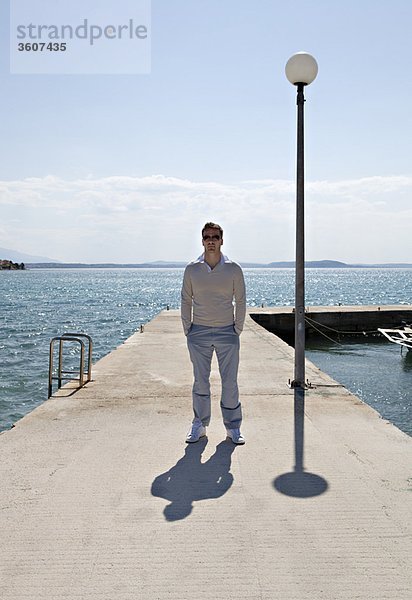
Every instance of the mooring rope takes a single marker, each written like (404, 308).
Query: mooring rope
(340, 331)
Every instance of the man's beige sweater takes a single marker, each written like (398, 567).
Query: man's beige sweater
(207, 295)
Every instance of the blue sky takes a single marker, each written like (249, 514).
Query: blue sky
(127, 168)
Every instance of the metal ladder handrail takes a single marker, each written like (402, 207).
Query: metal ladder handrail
(70, 337)
(89, 353)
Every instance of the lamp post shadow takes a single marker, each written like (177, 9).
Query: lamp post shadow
(190, 480)
(299, 483)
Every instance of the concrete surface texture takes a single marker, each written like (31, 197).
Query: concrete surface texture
(101, 498)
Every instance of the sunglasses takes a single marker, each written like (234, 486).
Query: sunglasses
(211, 237)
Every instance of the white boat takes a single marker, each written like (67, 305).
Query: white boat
(401, 336)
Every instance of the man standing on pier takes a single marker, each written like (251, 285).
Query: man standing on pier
(210, 323)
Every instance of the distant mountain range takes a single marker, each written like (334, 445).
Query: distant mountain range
(316, 264)
(16, 256)
(42, 262)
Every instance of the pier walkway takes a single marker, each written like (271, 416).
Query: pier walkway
(100, 498)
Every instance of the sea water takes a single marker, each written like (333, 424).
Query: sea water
(111, 304)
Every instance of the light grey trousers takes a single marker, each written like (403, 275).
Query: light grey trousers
(202, 341)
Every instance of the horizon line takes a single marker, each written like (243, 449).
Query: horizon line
(179, 263)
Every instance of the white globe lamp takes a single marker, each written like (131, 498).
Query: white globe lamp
(301, 68)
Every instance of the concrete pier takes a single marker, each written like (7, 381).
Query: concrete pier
(100, 497)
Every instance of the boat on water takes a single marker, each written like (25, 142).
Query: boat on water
(401, 336)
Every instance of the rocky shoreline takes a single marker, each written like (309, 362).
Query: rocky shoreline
(9, 265)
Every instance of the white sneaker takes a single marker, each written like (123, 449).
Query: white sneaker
(236, 436)
(196, 431)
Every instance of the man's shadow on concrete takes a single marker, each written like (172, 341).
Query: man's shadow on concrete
(191, 480)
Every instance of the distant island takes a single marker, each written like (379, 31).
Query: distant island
(316, 264)
(42, 262)
(9, 265)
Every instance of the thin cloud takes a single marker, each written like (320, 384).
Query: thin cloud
(107, 191)
(131, 217)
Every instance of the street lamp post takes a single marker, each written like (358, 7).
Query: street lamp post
(301, 69)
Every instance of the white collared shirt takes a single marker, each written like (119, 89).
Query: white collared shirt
(201, 259)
